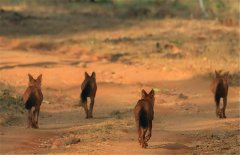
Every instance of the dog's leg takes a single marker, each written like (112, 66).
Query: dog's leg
(85, 109)
(36, 118)
(91, 107)
(139, 134)
(142, 138)
(32, 110)
(144, 143)
(150, 131)
(224, 106)
(218, 111)
(29, 121)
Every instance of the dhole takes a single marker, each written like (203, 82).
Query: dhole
(219, 88)
(144, 114)
(33, 98)
(89, 89)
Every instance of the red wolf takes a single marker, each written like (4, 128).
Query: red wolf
(144, 113)
(33, 98)
(89, 89)
(219, 88)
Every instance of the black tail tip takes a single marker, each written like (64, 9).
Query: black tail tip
(83, 101)
(27, 106)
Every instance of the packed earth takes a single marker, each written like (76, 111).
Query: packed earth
(174, 57)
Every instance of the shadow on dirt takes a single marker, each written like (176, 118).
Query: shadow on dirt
(37, 64)
(20, 24)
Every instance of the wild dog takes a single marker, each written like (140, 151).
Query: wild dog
(219, 88)
(33, 98)
(89, 89)
(144, 114)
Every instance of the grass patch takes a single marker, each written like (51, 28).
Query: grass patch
(116, 114)
(11, 104)
(44, 46)
(233, 80)
(119, 114)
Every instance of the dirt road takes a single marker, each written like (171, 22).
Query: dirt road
(184, 122)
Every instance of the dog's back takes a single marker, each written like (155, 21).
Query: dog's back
(220, 90)
(32, 97)
(89, 87)
(143, 113)
(220, 86)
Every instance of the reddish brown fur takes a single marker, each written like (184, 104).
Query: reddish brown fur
(33, 98)
(144, 113)
(219, 88)
(89, 89)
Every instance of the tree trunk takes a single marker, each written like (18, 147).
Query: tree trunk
(203, 8)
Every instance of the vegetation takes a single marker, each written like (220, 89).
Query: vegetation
(10, 103)
(124, 8)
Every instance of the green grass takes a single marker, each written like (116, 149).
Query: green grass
(178, 8)
(11, 104)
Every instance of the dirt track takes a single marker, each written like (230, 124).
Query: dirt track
(184, 122)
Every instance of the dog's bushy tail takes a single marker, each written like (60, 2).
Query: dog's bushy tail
(85, 93)
(218, 92)
(31, 101)
(143, 119)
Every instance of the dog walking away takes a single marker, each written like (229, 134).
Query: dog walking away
(219, 88)
(32, 99)
(144, 114)
(89, 89)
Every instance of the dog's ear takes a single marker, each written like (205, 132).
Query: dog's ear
(144, 94)
(226, 74)
(217, 74)
(93, 75)
(86, 75)
(151, 93)
(30, 77)
(39, 79)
